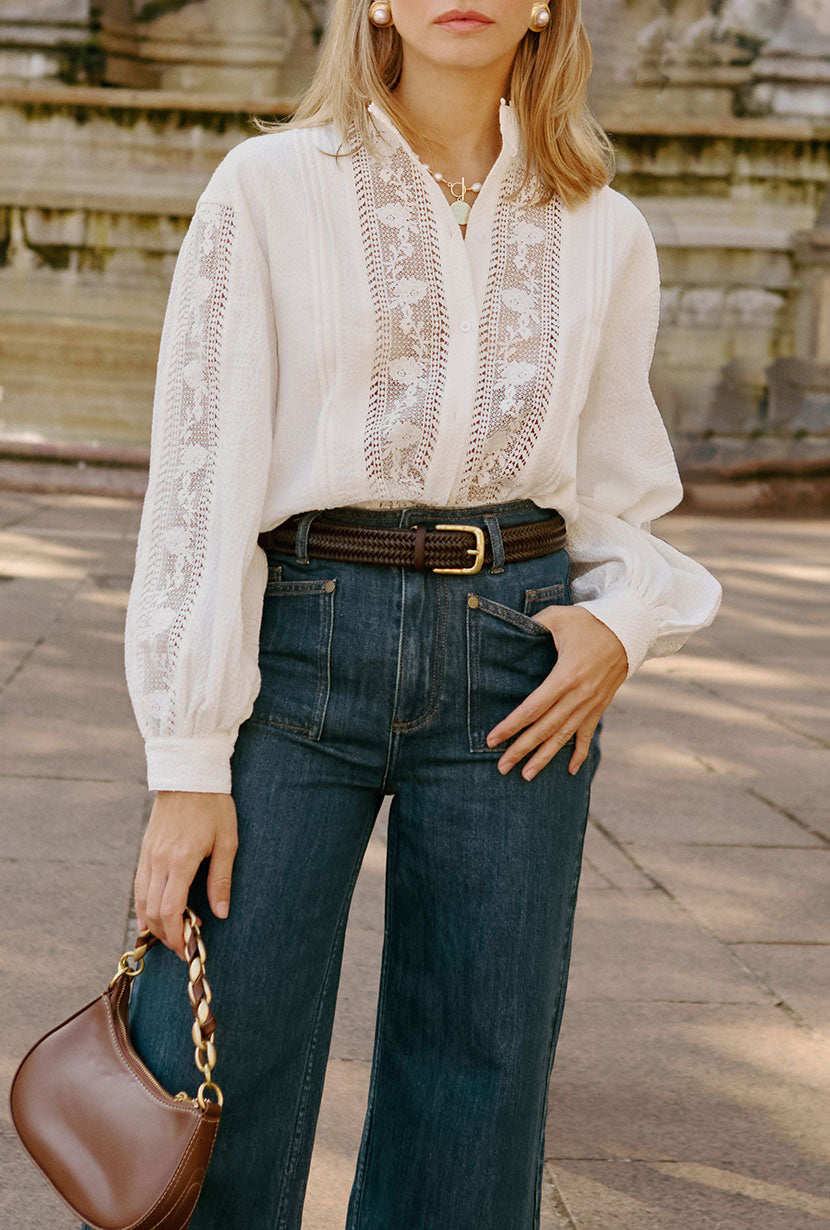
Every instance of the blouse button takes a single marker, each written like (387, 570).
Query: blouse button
(465, 325)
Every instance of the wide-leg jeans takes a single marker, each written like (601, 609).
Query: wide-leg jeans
(379, 680)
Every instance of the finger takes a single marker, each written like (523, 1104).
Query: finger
(559, 723)
(534, 706)
(219, 874)
(582, 746)
(172, 912)
(155, 892)
(560, 716)
(579, 722)
(546, 752)
(140, 883)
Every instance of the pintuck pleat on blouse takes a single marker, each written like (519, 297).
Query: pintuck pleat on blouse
(332, 337)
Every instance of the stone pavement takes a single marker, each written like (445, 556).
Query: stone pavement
(692, 1080)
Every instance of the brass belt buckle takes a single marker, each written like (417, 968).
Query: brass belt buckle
(477, 550)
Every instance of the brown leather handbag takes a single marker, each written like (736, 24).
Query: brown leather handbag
(120, 1150)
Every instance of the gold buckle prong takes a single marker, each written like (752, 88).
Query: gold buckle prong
(477, 550)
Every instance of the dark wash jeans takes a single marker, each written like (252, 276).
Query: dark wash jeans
(382, 680)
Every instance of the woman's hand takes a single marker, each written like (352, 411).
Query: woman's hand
(591, 665)
(184, 827)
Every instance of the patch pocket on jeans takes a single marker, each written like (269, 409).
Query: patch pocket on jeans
(295, 653)
(546, 595)
(508, 655)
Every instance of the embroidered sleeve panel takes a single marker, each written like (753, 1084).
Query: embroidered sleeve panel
(183, 461)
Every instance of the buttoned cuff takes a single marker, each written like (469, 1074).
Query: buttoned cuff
(200, 763)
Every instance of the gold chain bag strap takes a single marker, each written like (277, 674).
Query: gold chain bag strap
(120, 1150)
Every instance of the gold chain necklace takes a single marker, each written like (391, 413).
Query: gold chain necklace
(459, 207)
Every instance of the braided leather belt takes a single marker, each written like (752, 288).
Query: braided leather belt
(444, 548)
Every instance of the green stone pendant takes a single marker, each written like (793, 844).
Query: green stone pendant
(461, 211)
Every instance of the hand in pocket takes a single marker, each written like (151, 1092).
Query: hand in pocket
(590, 667)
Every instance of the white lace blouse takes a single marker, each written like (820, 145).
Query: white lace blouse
(333, 337)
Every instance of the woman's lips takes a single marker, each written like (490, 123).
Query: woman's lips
(470, 20)
(464, 25)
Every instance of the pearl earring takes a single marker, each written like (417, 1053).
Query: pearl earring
(539, 17)
(380, 13)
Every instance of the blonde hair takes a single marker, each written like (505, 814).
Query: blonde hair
(565, 146)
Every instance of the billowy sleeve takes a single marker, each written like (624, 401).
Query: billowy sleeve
(195, 603)
(649, 594)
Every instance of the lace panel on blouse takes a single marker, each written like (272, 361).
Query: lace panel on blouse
(410, 363)
(518, 334)
(183, 485)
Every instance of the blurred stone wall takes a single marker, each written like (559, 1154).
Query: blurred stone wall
(42, 39)
(113, 117)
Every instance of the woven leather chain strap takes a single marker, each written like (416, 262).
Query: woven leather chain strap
(198, 992)
(452, 548)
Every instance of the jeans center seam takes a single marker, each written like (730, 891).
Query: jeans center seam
(438, 649)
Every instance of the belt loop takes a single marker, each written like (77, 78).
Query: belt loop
(496, 544)
(301, 537)
(420, 538)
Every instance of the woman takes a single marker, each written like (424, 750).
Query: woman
(351, 359)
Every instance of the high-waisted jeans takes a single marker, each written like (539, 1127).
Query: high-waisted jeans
(379, 680)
